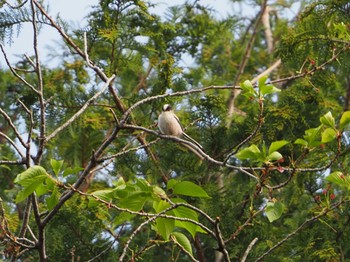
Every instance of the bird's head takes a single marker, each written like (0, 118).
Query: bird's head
(166, 107)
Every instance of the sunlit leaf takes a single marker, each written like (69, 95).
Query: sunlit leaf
(300, 141)
(56, 166)
(164, 226)
(52, 200)
(274, 156)
(185, 212)
(339, 178)
(183, 241)
(328, 135)
(328, 120)
(277, 145)
(273, 210)
(344, 120)
(252, 152)
(30, 179)
(269, 89)
(188, 188)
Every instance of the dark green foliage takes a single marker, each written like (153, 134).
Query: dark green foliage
(276, 196)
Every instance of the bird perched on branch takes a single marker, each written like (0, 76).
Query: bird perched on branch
(169, 124)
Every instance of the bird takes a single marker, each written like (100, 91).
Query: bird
(169, 124)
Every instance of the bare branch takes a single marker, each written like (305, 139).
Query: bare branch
(81, 110)
(12, 125)
(13, 144)
(15, 73)
(244, 60)
(248, 249)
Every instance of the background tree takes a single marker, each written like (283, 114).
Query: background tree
(87, 176)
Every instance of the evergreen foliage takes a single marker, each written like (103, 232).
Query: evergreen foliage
(86, 175)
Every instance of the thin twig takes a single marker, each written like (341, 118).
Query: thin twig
(12, 125)
(80, 111)
(306, 222)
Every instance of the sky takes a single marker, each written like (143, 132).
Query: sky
(74, 12)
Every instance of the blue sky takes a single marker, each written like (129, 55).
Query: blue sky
(74, 12)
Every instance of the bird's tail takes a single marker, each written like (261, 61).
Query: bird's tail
(192, 140)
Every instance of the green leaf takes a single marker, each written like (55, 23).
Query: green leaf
(252, 152)
(277, 145)
(188, 188)
(247, 86)
(339, 179)
(328, 120)
(56, 166)
(72, 171)
(269, 89)
(159, 192)
(135, 201)
(185, 212)
(122, 218)
(181, 240)
(30, 179)
(52, 200)
(312, 136)
(328, 135)
(105, 194)
(274, 156)
(25, 178)
(163, 226)
(300, 141)
(273, 211)
(344, 120)
(262, 80)
(171, 183)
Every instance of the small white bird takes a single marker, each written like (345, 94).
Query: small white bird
(169, 124)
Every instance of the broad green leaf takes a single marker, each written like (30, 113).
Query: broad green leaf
(183, 241)
(122, 218)
(30, 179)
(312, 136)
(262, 80)
(252, 152)
(72, 171)
(277, 145)
(328, 120)
(120, 182)
(247, 86)
(56, 166)
(171, 183)
(185, 212)
(340, 179)
(274, 156)
(159, 192)
(328, 135)
(269, 89)
(300, 141)
(135, 201)
(28, 190)
(273, 210)
(52, 200)
(163, 226)
(344, 120)
(25, 178)
(188, 188)
(41, 189)
(105, 194)
(248, 90)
